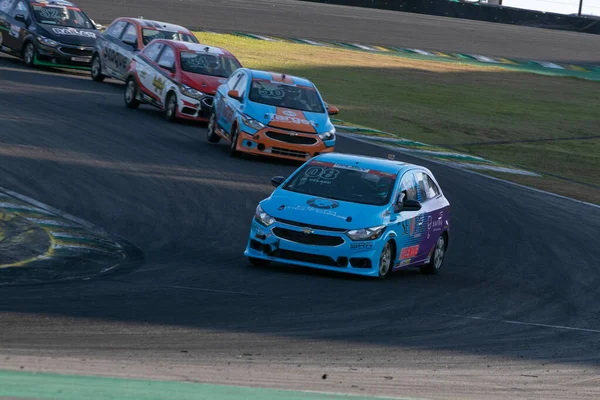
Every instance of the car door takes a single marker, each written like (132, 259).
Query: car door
(165, 70)
(124, 49)
(411, 229)
(433, 208)
(146, 71)
(17, 29)
(108, 44)
(224, 109)
(6, 7)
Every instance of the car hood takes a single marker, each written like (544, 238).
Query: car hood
(72, 36)
(313, 210)
(204, 83)
(286, 118)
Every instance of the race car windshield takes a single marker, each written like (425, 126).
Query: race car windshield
(345, 183)
(149, 35)
(70, 17)
(208, 64)
(287, 96)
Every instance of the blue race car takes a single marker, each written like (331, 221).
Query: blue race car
(355, 214)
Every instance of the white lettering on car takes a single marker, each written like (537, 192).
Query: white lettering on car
(73, 32)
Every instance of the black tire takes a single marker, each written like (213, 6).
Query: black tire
(386, 260)
(234, 138)
(171, 107)
(258, 262)
(211, 135)
(96, 70)
(131, 93)
(29, 54)
(437, 258)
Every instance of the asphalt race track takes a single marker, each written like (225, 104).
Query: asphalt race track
(352, 24)
(515, 312)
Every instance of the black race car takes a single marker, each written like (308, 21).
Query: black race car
(47, 32)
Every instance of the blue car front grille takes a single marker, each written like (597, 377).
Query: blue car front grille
(310, 239)
(305, 257)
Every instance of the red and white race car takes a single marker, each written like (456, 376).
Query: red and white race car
(180, 78)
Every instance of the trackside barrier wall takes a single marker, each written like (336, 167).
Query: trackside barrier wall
(479, 12)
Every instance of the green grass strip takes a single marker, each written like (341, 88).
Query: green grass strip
(25, 385)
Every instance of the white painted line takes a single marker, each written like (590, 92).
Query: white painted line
(511, 322)
(80, 248)
(264, 38)
(422, 52)
(69, 235)
(484, 58)
(213, 290)
(48, 208)
(364, 47)
(48, 222)
(456, 166)
(308, 41)
(549, 65)
(24, 208)
(498, 168)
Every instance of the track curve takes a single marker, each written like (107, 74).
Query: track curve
(362, 25)
(196, 311)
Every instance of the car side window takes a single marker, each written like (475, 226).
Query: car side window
(153, 50)
(22, 9)
(433, 190)
(409, 186)
(6, 5)
(116, 29)
(233, 80)
(242, 84)
(130, 34)
(167, 56)
(427, 188)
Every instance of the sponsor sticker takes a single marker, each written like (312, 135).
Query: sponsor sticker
(409, 252)
(159, 84)
(15, 31)
(289, 119)
(73, 32)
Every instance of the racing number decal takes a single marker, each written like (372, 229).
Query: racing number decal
(318, 172)
(159, 84)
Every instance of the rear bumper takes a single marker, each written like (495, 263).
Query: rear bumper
(261, 144)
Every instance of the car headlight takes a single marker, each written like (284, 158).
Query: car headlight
(48, 42)
(262, 217)
(327, 135)
(367, 233)
(251, 122)
(191, 92)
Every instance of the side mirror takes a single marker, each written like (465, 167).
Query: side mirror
(167, 65)
(132, 43)
(411, 205)
(21, 18)
(234, 94)
(277, 180)
(331, 110)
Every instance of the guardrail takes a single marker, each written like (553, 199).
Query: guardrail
(479, 12)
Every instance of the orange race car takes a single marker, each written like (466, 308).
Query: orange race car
(271, 114)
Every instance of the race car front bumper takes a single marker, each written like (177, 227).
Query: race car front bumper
(280, 143)
(64, 56)
(193, 109)
(322, 249)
